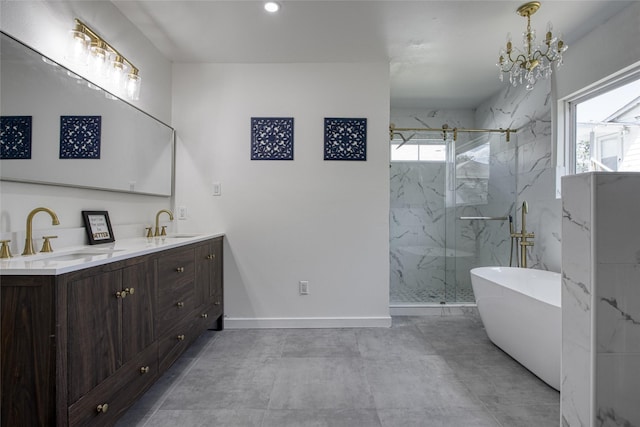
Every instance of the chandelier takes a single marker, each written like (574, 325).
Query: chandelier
(534, 61)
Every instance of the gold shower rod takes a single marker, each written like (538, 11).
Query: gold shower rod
(445, 129)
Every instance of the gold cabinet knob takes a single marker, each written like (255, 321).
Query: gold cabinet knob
(204, 315)
(121, 294)
(144, 370)
(130, 291)
(180, 269)
(180, 337)
(180, 304)
(211, 256)
(216, 303)
(102, 408)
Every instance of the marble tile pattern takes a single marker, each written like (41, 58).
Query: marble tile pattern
(429, 370)
(15, 137)
(601, 299)
(80, 137)
(527, 161)
(420, 220)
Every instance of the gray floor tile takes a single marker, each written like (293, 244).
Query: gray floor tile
(527, 415)
(207, 418)
(413, 385)
(246, 343)
(321, 383)
(423, 371)
(321, 343)
(402, 343)
(234, 383)
(458, 417)
(322, 418)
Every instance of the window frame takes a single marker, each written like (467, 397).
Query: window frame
(565, 146)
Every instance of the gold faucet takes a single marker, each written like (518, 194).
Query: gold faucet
(524, 236)
(157, 229)
(28, 244)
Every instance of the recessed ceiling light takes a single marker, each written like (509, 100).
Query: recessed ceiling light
(271, 6)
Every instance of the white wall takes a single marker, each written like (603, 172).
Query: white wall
(286, 221)
(45, 27)
(608, 49)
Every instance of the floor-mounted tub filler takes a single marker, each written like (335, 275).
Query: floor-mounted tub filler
(521, 312)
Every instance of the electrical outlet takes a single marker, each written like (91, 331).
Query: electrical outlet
(303, 287)
(182, 212)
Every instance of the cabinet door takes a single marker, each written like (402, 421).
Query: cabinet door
(94, 335)
(138, 325)
(215, 291)
(28, 351)
(209, 272)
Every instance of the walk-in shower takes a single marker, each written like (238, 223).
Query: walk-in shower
(452, 191)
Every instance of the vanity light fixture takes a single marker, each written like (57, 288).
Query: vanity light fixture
(272, 6)
(534, 61)
(102, 63)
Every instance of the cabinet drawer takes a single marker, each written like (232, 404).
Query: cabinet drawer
(174, 343)
(118, 392)
(173, 308)
(175, 268)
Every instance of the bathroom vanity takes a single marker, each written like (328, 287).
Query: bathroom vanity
(83, 336)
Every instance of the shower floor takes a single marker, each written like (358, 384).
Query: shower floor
(405, 294)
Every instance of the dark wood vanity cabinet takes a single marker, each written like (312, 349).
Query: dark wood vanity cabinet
(110, 324)
(80, 348)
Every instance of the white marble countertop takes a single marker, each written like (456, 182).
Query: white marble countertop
(79, 257)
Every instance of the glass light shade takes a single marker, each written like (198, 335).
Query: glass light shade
(78, 48)
(118, 74)
(99, 62)
(133, 85)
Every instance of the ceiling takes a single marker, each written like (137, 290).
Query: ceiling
(442, 54)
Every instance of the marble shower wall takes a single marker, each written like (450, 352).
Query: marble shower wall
(601, 300)
(418, 220)
(527, 160)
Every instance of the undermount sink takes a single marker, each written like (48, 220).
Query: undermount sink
(183, 235)
(80, 254)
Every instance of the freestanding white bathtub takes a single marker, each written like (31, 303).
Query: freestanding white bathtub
(521, 312)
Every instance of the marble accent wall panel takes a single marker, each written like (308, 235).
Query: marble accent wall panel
(601, 300)
(576, 301)
(417, 226)
(532, 171)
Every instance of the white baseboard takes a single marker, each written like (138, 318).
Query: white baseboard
(430, 310)
(306, 322)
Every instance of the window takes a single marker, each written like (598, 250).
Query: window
(605, 128)
(418, 150)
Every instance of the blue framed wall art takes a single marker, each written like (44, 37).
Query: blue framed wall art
(345, 139)
(272, 138)
(15, 137)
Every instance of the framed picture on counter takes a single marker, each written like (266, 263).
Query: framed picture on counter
(98, 227)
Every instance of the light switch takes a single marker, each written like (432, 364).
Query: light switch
(217, 189)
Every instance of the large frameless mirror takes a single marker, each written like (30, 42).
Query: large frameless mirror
(59, 129)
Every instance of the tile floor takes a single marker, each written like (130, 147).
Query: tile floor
(423, 371)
